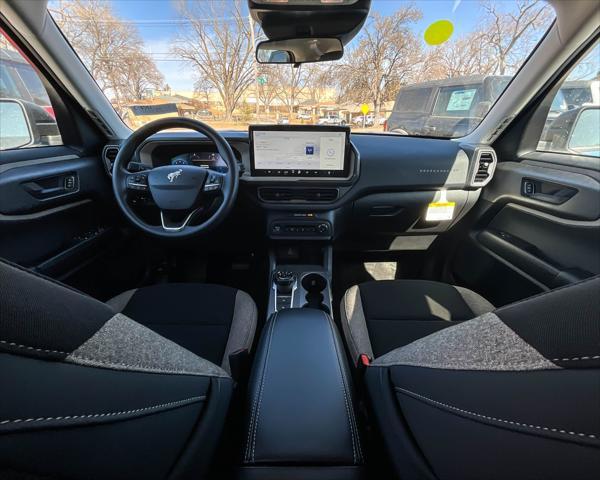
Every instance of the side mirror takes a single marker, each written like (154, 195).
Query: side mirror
(16, 128)
(584, 138)
(299, 50)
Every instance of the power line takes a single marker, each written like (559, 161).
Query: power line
(155, 23)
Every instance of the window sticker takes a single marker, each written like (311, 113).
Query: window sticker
(440, 210)
(461, 100)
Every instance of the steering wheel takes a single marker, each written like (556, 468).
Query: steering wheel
(180, 192)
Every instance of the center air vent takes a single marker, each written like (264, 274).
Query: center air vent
(298, 195)
(109, 155)
(484, 167)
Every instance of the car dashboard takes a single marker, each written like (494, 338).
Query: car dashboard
(384, 199)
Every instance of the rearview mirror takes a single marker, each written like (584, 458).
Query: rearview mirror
(299, 50)
(16, 130)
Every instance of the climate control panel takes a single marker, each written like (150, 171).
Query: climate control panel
(292, 228)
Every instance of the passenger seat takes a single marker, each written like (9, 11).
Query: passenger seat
(379, 316)
(510, 394)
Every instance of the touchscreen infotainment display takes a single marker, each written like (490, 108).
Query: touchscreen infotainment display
(299, 151)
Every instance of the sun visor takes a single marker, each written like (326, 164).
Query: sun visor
(285, 19)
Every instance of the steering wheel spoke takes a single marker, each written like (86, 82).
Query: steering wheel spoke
(137, 181)
(214, 182)
(176, 225)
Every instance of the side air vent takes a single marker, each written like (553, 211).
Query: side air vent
(298, 195)
(485, 164)
(100, 123)
(109, 154)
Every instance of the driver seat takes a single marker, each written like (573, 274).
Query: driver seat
(90, 392)
(212, 321)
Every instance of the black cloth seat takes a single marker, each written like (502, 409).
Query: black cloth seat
(512, 393)
(212, 321)
(380, 316)
(88, 392)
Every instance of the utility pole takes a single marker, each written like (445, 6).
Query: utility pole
(254, 64)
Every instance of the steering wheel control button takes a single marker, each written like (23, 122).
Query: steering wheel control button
(138, 181)
(213, 182)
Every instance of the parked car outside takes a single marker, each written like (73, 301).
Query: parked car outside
(368, 121)
(331, 119)
(204, 113)
(444, 108)
(572, 95)
(18, 79)
(20, 82)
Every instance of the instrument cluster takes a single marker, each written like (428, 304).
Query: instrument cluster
(204, 159)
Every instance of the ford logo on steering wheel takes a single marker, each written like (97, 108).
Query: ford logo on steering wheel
(173, 175)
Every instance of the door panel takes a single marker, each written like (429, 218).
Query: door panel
(49, 182)
(529, 240)
(510, 180)
(55, 210)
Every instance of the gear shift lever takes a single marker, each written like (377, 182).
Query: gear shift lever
(284, 282)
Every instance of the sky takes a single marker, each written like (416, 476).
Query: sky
(158, 23)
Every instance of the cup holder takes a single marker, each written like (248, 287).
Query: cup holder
(315, 284)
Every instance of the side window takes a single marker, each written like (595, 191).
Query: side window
(573, 123)
(26, 114)
(413, 100)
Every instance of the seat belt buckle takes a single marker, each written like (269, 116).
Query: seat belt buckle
(364, 360)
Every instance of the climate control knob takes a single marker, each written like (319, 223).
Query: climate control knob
(323, 228)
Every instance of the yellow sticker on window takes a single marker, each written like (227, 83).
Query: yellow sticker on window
(439, 211)
(438, 32)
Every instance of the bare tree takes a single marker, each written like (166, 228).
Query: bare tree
(267, 89)
(218, 44)
(388, 54)
(290, 84)
(139, 74)
(511, 34)
(203, 88)
(467, 55)
(110, 48)
(321, 79)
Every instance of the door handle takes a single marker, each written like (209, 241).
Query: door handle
(546, 192)
(51, 187)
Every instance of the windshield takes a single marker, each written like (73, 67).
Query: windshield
(424, 68)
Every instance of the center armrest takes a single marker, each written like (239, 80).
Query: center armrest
(301, 408)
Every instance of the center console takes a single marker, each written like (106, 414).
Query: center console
(301, 420)
(300, 285)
